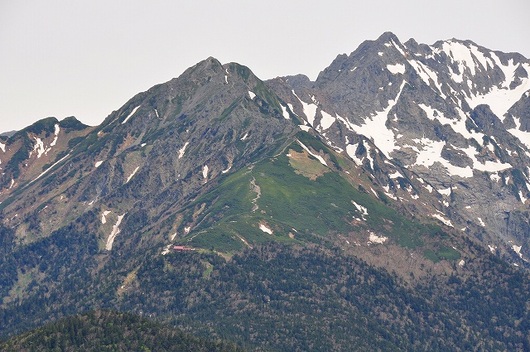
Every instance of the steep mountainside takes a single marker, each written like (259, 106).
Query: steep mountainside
(406, 164)
(442, 128)
(149, 158)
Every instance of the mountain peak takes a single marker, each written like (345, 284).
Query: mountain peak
(46, 124)
(210, 64)
(387, 37)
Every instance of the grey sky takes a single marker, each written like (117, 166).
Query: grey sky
(86, 58)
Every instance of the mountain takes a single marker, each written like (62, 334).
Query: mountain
(442, 128)
(280, 214)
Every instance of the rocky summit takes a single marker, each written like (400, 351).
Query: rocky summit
(442, 129)
(406, 163)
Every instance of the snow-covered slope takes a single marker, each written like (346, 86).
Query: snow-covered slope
(454, 115)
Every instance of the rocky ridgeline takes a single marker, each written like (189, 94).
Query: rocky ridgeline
(442, 130)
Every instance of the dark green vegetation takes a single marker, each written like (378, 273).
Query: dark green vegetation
(110, 331)
(276, 297)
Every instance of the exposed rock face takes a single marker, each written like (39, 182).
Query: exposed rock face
(147, 159)
(454, 115)
(443, 130)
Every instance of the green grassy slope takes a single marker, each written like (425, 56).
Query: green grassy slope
(294, 197)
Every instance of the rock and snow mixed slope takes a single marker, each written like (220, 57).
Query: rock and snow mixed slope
(453, 114)
(442, 131)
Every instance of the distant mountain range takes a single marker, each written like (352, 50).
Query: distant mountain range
(412, 161)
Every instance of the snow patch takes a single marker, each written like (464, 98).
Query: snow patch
(426, 74)
(131, 114)
(183, 150)
(265, 229)
(523, 136)
(39, 147)
(522, 197)
(445, 192)
(443, 219)
(373, 238)
(166, 249)
(458, 125)
(495, 177)
(398, 48)
(51, 167)
(395, 175)
(115, 231)
(361, 209)
(501, 99)
(350, 150)
(310, 110)
(3, 147)
(369, 155)
(132, 175)
(486, 62)
(431, 152)
(374, 127)
(57, 129)
(388, 194)
(104, 216)
(318, 157)
(517, 249)
(304, 128)
(285, 113)
(327, 120)
(489, 166)
(461, 55)
(396, 68)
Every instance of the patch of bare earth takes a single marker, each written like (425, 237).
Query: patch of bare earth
(306, 166)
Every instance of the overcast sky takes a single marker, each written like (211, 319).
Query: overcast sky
(87, 58)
